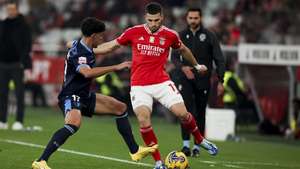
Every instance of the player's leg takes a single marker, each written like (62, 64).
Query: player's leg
(201, 98)
(186, 89)
(107, 104)
(189, 123)
(18, 78)
(142, 105)
(4, 80)
(172, 99)
(143, 114)
(72, 112)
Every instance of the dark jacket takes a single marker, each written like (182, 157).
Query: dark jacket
(206, 49)
(15, 42)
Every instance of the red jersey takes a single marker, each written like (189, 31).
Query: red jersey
(150, 52)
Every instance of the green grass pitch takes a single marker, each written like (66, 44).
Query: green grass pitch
(98, 145)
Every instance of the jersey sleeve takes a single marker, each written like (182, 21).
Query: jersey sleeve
(125, 38)
(176, 41)
(78, 62)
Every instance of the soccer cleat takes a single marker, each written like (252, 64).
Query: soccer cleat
(17, 126)
(186, 151)
(143, 152)
(211, 148)
(3, 126)
(195, 152)
(40, 165)
(162, 166)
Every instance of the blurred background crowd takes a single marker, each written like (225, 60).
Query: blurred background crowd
(233, 21)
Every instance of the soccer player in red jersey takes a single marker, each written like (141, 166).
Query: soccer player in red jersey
(151, 43)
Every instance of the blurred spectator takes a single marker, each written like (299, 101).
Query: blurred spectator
(15, 49)
(111, 85)
(37, 93)
(236, 96)
(270, 127)
(250, 21)
(296, 104)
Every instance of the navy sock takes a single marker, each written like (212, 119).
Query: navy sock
(58, 139)
(125, 130)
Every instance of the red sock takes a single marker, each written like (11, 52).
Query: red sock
(190, 125)
(150, 139)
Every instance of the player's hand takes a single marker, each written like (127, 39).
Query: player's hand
(126, 64)
(27, 75)
(220, 89)
(202, 69)
(187, 70)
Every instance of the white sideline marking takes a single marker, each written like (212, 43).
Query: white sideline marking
(231, 164)
(248, 163)
(78, 153)
(214, 163)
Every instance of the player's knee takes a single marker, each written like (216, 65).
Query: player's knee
(73, 118)
(74, 122)
(183, 116)
(123, 107)
(180, 111)
(144, 120)
(120, 108)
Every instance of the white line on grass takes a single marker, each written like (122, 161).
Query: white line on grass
(214, 163)
(78, 153)
(232, 164)
(249, 163)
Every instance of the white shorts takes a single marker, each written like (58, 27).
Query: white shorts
(166, 93)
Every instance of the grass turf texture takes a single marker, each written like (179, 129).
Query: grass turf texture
(99, 136)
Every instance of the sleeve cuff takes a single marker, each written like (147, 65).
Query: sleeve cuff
(80, 66)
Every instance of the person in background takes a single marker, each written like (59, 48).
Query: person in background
(193, 86)
(295, 126)
(15, 47)
(236, 95)
(38, 94)
(111, 85)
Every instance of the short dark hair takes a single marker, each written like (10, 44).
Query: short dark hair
(153, 8)
(92, 25)
(9, 2)
(199, 10)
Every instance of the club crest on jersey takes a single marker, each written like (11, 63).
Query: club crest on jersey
(82, 60)
(151, 39)
(202, 37)
(162, 41)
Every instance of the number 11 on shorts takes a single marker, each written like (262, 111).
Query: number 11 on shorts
(173, 88)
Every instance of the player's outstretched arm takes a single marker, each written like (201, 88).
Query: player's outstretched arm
(188, 55)
(88, 72)
(106, 47)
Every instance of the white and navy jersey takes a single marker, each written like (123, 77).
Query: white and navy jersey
(79, 55)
